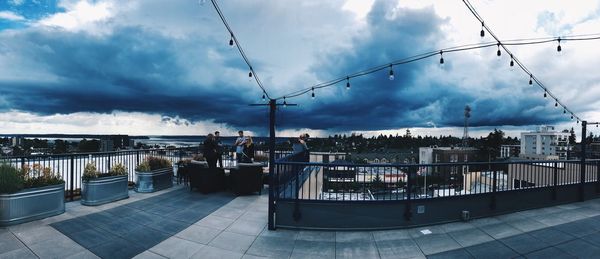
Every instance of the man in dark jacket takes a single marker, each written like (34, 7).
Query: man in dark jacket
(210, 151)
(219, 148)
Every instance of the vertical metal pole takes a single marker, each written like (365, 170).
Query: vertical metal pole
(494, 187)
(272, 108)
(72, 178)
(555, 180)
(407, 208)
(582, 166)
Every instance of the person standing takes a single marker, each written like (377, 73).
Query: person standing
(219, 148)
(210, 151)
(248, 151)
(239, 146)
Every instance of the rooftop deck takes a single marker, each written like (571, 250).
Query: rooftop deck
(178, 224)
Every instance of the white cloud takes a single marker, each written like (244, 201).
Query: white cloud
(8, 15)
(81, 15)
(16, 2)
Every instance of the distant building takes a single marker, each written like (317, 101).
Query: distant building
(545, 144)
(385, 157)
(107, 145)
(16, 141)
(507, 151)
(433, 155)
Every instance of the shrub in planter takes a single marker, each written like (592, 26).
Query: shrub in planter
(31, 193)
(10, 179)
(100, 188)
(154, 174)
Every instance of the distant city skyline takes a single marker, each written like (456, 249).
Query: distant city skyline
(151, 68)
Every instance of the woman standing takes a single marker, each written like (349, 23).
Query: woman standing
(210, 151)
(248, 151)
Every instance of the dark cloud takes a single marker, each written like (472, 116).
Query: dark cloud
(137, 69)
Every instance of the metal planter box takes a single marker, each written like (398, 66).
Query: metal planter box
(104, 190)
(155, 180)
(32, 204)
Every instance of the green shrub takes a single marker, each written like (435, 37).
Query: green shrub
(153, 163)
(118, 169)
(39, 176)
(90, 172)
(10, 179)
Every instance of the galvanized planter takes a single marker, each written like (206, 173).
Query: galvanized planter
(32, 204)
(104, 190)
(155, 180)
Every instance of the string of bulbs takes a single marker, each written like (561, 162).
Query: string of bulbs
(514, 59)
(515, 42)
(233, 42)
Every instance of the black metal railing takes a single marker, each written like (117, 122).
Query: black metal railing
(375, 182)
(70, 167)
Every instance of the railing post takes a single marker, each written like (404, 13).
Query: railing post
(582, 166)
(494, 187)
(597, 177)
(555, 181)
(271, 216)
(407, 208)
(108, 166)
(297, 215)
(72, 178)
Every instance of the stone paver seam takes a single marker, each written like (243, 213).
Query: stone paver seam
(376, 246)
(17, 237)
(246, 251)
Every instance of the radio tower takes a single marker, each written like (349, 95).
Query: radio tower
(465, 139)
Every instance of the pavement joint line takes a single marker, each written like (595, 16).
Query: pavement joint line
(17, 237)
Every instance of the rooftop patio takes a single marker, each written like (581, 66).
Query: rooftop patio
(176, 223)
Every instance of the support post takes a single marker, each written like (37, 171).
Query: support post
(555, 180)
(494, 187)
(409, 186)
(72, 179)
(272, 109)
(582, 166)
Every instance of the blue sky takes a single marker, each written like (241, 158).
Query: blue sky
(165, 67)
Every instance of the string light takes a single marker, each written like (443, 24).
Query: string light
(347, 83)
(571, 116)
(313, 93)
(482, 32)
(391, 73)
(512, 61)
(564, 111)
(556, 104)
(231, 41)
(498, 53)
(545, 94)
(284, 102)
(441, 57)
(559, 48)
(263, 97)
(530, 79)
(250, 73)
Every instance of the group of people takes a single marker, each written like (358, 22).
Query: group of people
(213, 149)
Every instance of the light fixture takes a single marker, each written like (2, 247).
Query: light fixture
(556, 104)
(347, 83)
(250, 73)
(313, 93)
(571, 116)
(577, 121)
(545, 94)
(441, 57)
(559, 48)
(530, 79)
(263, 97)
(231, 41)
(284, 102)
(391, 73)
(512, 62)
(564, 111)
(482, 32)
(498, 53)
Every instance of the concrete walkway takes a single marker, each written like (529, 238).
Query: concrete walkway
(238, 230)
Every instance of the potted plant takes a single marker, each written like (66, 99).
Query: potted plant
(153, 174)
(100, 188)
(30, 193)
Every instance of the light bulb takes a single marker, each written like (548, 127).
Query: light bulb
(530, 79)
(545, 95)
(556, 104)
(559, 48)
(284, 102)
(231, 41)
(250, 73)
(263, 97)
(564, 111)
(498, 53)
(347, 83)
(441, 58)
(512, 62)
(313, 93)
(391, 73)
(482, 32)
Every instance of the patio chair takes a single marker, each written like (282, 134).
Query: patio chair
(247, 178)
(206, 180)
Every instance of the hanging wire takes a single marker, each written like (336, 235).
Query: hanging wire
(517, 61)
(235, 40)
